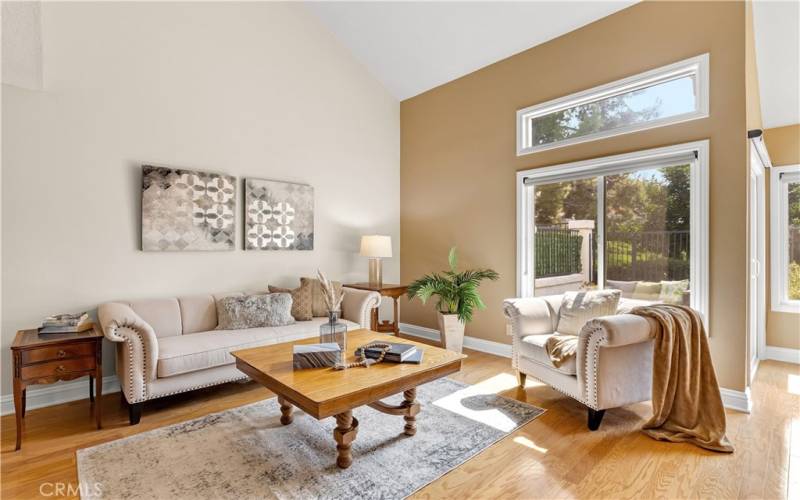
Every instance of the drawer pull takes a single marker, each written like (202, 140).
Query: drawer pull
(61, 353)
(60, 369)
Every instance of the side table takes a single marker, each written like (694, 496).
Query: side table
(385, 290)
(44, 359)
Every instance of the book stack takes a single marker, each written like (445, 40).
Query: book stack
(399, 353)
(66, 323)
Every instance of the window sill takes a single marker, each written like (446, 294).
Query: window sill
(787, 307)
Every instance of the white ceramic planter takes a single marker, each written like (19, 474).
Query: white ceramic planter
(452, 332)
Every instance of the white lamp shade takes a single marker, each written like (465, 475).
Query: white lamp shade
(376, 246)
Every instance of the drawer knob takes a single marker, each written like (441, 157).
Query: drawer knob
(60, 369)
(61, 353)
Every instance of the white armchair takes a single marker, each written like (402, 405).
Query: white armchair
(614, 361)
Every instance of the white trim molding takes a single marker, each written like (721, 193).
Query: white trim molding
(736, 400)
(779, 235)
(696, 67)
(49, 395)
(474, 343)
(784, 354)
(695, 153)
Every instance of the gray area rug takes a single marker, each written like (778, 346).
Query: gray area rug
(246, 452)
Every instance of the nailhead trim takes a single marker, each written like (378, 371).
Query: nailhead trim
(210, 384)
(113, 332)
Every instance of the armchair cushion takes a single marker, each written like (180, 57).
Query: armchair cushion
(579, 307)
(533, 348)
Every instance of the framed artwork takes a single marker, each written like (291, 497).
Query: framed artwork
(187, 210)
(278, 215)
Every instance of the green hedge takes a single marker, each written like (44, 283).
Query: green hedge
(557, 252)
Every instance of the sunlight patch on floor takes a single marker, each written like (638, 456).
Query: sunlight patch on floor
(467, 402)
(530, 444)
(794, 459)
(794, 384)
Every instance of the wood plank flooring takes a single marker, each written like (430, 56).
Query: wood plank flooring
(554, 456)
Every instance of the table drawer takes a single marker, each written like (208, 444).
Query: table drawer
(55, 368)
(55, 353)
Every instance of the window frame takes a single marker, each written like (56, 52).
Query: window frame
(779, 248)
(609, 165)
(696, 66)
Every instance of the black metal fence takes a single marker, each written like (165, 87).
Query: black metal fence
(647, 256)
(557, 251)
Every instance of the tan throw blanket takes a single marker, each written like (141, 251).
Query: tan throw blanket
(687, 405)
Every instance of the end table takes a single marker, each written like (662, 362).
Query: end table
(44, 359)
(385, 290)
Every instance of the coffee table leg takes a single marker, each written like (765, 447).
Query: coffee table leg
(410, 401)
(286, 411)
(344, 434)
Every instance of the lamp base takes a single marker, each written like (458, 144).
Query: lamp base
(375, 272)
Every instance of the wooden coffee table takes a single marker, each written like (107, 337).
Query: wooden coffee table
(325, 392)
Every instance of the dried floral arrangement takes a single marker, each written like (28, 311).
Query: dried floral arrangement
(333, 300)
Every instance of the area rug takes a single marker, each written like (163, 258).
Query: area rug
(246, 452)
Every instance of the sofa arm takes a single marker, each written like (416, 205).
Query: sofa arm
(137, 352)
(621, 329)
(357, 305)
(529, 316)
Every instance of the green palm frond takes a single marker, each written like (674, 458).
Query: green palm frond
(457, 292)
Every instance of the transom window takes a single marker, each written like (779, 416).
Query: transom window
(785, 231)
(671, 94)
(635, 222)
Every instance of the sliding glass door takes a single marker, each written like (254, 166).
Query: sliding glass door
(630, 225)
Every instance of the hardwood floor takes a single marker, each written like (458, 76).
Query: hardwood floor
(554, 456)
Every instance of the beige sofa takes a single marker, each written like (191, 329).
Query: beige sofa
(614, 361)
(169, 346)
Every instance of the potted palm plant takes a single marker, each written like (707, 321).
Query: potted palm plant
(457, 295)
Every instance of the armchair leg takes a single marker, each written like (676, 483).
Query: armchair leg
(595, 417)
(521, 379)
(134, 412)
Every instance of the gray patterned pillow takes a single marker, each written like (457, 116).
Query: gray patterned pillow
(254, 311)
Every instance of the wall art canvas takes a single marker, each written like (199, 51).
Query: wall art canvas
(187, 210)
(278, 215)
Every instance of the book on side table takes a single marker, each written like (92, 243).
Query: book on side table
(66, 323)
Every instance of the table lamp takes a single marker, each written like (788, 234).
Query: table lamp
(376, 247)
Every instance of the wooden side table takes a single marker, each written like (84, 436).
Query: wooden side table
(44, 359)
(393, 291)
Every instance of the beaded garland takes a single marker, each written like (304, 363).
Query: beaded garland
(363, 360)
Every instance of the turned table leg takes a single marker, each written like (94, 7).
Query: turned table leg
(286, 411)
(410, 401)
(344, 434)
(19, 409)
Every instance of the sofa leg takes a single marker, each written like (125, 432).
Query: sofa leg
(595, 417)
(134, 412)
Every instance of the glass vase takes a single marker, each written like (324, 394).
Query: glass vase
(335, 331)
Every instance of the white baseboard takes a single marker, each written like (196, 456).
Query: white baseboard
(49, 395)
(473, 343)
(782, 354)
(735, 400)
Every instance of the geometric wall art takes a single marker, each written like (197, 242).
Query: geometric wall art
(187, 210)
(278, 215)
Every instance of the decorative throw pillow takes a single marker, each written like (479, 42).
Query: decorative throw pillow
(301, 300)
(672, 291)
(318, 307)
(254, 311)
(646, 290)
(579, 307)
(626, 287)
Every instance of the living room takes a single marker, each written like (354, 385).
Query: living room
(565, 234)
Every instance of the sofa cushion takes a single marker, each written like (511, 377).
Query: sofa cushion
(646, 290)
(254, 311)
(199, 351)
(198, 313)
(163, 315)
(532, 347)
(301, 300)
(318, 307)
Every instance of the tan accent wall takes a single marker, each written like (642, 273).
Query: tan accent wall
(783, 144)
(458, 157)
(751, 73)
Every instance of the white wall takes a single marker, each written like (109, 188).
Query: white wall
(249, 89)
